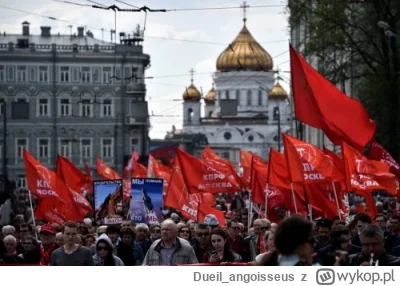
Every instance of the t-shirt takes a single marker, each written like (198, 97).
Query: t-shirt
(80, 257)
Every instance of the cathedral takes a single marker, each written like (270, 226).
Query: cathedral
(246, 108)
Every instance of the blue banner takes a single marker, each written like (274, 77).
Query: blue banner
(146, 200)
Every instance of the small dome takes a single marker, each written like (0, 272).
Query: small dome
(192, 93)
(278, 92)
(210, 97)
(244, 53)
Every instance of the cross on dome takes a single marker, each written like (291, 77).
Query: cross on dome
(244, 6)
(191, 75)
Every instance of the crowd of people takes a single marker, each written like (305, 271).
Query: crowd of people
(295, 240)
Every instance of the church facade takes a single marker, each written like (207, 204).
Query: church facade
(246, 108)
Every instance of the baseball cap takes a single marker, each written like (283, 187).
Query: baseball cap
(211, 220)
(47, 228)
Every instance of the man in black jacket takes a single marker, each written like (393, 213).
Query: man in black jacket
(340, 241)
(373, 249)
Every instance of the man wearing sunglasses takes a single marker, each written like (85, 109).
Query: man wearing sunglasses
(238, 244)
(202, 240)
(256, 240)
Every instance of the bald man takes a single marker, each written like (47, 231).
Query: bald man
(170, 249)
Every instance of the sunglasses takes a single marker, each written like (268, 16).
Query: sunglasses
(185, 231)
(156, 231)
(102, 248)
(202, 234)
(264, 228)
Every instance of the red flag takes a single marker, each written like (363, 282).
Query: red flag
(245, 162)
(51, 211)
(320, 104)
(70, 174)
(130, 166)
(365, 174)
(208, 177)
(105, 171)
(378, 153)
(338, 168)
(278, 174)
(205, 210)
(307, 163)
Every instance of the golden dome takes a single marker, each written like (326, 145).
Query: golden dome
(210, 97)
(244, 53)
(278, 92)
(192, 93)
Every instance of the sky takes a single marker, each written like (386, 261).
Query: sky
(173, 56)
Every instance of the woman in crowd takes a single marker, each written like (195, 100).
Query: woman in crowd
(184, 232)
(221, 250)
(104, 253)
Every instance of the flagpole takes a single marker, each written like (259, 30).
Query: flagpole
(266, 201)
(249, 213)
(306, 201)
(336, 199)
(33, 213)
(294, 198)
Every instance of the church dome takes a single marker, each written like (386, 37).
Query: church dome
(278, 92)
(192, 93)
(244, 53)
(210, 97)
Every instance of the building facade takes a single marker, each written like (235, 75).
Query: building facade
(246, 108)
(72, 95)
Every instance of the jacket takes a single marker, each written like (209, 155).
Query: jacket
(183, 253)
(97, 260)
(384, 260)
(252, 240)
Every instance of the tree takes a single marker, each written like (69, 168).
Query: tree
(358, 55)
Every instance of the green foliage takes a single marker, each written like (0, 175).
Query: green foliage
(347, 46)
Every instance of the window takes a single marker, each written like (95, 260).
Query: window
(225, 155)
(227, 94)
(43, 148)
(21, 182)
(75, 74)
(65, 107)
(20, 109)
(66, 148)
(134, 144)
(64, 74)
(32, 74)
(43, 74)
(86, 150)
(10, 73)
(96, 75)
(260, 98)
(21, 74)
(2, 104)
(117, 74)
(107, 107)
(127, 74)
(86, 108)
(106, 74)
(85, 75)
(22, 144)
(2, 74)
(276, 113)
(249, 95)
(44, 107)
(238, 96)
(227, 136)
(107, 148)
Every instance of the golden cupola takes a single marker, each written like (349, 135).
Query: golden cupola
(278, 92)
(192, 93)
(210, 97)
(244, 53)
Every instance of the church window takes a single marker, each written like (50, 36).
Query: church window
(227, 136)
(190, 114)
(227, 94)
(251, 138)
(249, 98)
(259, 98)
(210, 114)
(276, 138)
(276, 113)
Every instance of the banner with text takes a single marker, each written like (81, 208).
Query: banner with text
(108, 201)
(146, 200)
